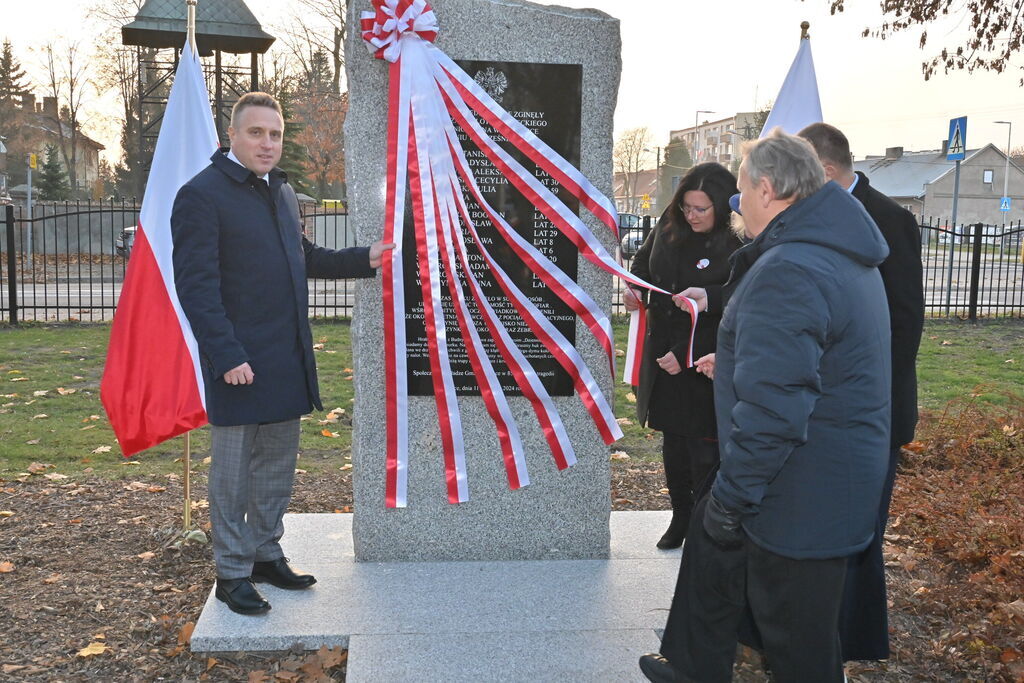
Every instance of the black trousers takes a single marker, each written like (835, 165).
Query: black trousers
(795, 604)
(688, 461)
(864, 616)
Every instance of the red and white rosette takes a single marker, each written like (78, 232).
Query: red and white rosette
(429, 95)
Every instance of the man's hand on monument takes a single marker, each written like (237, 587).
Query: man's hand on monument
(722, 525)
(698, 294)
(241, 375)
(670, 364)
(377, 250)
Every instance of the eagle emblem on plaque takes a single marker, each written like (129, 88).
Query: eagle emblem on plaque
(494, 82)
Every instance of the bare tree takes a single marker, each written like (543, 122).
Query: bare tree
(629, 156)
(67, 76)
(994, 37)
(333, 13)
(318, 25)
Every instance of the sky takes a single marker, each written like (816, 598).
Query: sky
(679, 56)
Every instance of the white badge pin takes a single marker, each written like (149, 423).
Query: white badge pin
(703, 263)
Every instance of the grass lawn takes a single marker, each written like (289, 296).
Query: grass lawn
(50, 410)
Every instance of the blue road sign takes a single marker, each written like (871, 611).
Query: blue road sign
(1004, 204)
(957, 147)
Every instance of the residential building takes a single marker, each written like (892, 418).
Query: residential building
(718, 140)
(630, 190)
(48, 129)
(923, 182)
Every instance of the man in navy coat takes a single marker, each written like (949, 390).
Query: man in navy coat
(802, 400)
(240, 268)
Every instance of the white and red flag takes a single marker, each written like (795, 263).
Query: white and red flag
(152, 387)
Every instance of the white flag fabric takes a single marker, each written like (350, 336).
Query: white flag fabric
(152, 386)
(797, 104)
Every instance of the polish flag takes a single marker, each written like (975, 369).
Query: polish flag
(152, 387)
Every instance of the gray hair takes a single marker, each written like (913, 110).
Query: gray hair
(790, 164)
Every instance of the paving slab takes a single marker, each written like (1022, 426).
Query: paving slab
(561, 656)
(435, 620)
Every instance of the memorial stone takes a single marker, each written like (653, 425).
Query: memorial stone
(557, 70)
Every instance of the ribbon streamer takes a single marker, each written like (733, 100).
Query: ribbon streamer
(429, 95)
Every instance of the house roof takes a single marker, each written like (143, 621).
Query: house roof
(907, 175)
(226, 25)
(46, 124)
(646, 183)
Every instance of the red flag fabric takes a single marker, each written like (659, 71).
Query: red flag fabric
(152, 387)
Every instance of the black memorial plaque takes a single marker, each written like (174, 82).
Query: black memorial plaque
(547, 99)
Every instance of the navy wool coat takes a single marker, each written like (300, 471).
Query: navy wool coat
(240, 268)
(802, 381)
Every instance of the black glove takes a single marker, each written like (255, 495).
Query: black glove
(722, 525)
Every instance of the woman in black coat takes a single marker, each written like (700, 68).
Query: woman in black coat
(688, 249)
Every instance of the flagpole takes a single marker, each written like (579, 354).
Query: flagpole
(186, 518)
(804, 35)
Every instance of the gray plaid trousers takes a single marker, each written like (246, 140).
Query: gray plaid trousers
(251, 473)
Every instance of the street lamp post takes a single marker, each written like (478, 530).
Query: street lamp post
(696, 132)
(657, 174)
(1006, 173)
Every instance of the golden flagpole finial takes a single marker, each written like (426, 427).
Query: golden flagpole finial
(804, 25)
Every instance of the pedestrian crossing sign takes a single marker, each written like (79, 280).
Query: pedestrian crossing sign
(956, 149)
(1004, 204)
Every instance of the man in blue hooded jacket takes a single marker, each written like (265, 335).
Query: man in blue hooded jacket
(802, 383)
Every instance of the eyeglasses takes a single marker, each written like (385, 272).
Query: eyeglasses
(698, 211)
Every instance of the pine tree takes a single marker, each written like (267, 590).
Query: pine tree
(12, 77)
(317, 78)
(53, 180)
(293, 154)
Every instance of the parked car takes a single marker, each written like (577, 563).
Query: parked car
(124, 241)
(631, 241)
(633, 230)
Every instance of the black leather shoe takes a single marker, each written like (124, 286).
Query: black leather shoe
(676, 533)
(241, 596)
(657, 669)
(278, 573)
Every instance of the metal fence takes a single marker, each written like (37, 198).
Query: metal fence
(62, 264)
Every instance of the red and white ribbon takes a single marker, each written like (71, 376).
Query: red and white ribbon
(635, 345)
(428, 96)
(691, 306)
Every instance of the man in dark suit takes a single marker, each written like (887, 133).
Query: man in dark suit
(240, 268)
(863, 622)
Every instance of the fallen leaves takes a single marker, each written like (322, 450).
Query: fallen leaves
(6, 567)
(620, 455)
(40, 416)
(39, 467)
(329, 434)
(101, 449)
(631, 397)
(6, 513)
(93, 649)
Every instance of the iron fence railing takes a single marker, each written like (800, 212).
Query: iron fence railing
(63, 263)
